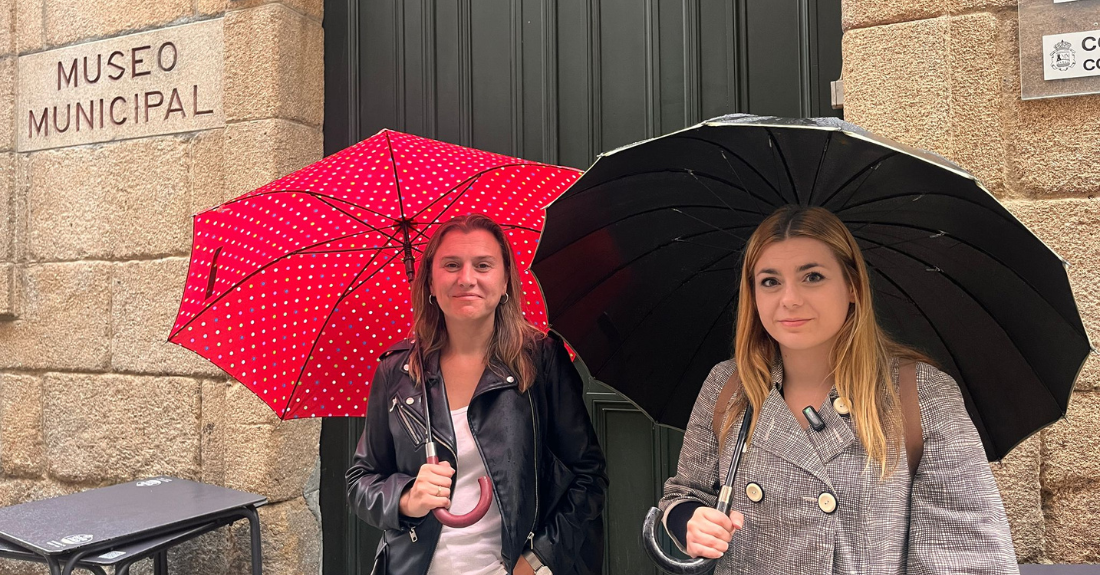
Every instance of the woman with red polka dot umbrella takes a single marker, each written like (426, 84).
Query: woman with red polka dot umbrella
(296, 288)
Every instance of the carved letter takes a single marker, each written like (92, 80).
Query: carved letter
(175, 104)
(160, 56)
(115, 120)
(134, 61)
(160, 100)
(41, 126)
(111, 64)
(195, 103)
(98, 69)
(68, 77)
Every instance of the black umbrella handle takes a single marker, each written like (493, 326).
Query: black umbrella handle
(699, 565)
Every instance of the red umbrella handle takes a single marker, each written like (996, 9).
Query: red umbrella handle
(450, 519)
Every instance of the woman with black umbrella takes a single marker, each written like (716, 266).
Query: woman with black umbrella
(861, 457)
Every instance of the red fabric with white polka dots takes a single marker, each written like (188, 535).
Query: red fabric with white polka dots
(309, 283)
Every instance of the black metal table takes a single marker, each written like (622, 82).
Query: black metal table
(146, 518)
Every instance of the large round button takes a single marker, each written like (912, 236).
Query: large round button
(754, 492)
(840, 405)
(827, 502)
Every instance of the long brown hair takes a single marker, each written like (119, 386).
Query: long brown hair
(862, 356)
(513, 336)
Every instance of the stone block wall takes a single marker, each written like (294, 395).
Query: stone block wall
(945, 75)
(94, 244)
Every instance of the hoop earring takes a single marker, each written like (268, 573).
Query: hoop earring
(506, 297)
(431, 299)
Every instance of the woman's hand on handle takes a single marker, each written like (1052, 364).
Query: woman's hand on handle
(431, 489)
(709, 532)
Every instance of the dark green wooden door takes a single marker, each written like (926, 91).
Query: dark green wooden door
(559, 81)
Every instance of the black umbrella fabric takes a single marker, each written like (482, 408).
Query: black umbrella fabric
(639, 264)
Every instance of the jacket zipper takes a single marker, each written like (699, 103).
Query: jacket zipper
(404, 417)
(535, 439)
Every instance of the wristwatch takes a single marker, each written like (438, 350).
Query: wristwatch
(536, 563)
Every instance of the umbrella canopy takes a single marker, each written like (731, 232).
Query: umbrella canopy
(640, 262)
(296, 288)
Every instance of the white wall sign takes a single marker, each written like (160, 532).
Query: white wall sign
(1059, 48)
(1073, 55)
(159, 82)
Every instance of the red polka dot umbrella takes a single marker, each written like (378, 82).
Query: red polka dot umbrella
(297, 287)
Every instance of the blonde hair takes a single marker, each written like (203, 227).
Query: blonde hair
(862, 355)
(513, 341)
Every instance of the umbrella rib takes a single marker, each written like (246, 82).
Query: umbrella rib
(714, 227)
(783, 160)
(763, 208)
(693, 173)
(666, 298)
(930, 266)
(326, 201)
(352, 286)
(865, 171)
(396, 181)
(963, 242)
(423, 230)
(821, 163)
(655, 248)
(714, 324)
(298, 251)
(317, 195)
(959, 286)
(518, 227)
(703, 269)
(720, 198)
(955, 359)
(482, 173)
(355, 250)
(972, 298)
(918, 196)
(749, 165)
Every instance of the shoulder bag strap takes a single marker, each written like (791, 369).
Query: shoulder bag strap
(910, 409)
(721, 407)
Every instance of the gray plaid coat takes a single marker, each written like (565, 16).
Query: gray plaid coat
(947, 519)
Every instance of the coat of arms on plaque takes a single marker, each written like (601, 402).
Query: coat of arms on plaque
(1063, 57)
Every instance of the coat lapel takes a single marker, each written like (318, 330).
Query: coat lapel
(442, 428)
(780, 434)
(837, 435)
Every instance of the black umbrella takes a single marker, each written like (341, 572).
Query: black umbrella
(639, 264)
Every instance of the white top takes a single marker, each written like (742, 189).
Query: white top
(473, 550)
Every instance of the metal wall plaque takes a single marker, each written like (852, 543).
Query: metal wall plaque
(160, 82)
(1059, 48)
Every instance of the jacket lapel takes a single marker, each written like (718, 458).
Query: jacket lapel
(780, 434)
(837, 435)
(442, 428)
(493, 378)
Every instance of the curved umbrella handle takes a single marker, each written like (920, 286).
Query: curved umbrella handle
(450, 519)
(696, 566)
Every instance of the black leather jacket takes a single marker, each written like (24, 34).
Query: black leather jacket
(539, 448)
